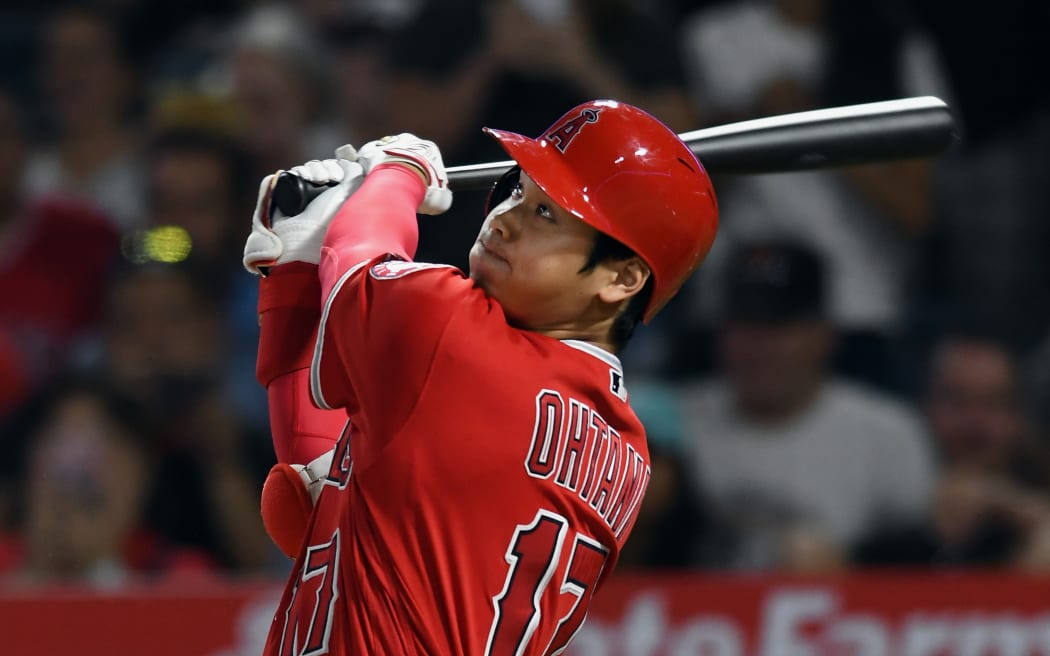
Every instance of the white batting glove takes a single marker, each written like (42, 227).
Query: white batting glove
(275, 238)
(407, 148)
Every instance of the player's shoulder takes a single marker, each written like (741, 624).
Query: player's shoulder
(390, 285)
(394, 288)
(393, 277)
(393, 269)
(411, 283)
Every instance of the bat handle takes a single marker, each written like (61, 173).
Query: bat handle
(291, 194)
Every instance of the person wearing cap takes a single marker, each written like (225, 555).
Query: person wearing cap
(800, 462)
(491, 467)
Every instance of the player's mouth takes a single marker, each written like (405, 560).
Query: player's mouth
(493, 251)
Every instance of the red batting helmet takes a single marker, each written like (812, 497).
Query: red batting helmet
(628, 175)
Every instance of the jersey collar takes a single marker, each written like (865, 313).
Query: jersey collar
(601, 354)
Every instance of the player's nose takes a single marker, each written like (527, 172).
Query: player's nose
(506, 221)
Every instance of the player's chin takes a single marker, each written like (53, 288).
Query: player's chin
(477, 274)
(485, 266)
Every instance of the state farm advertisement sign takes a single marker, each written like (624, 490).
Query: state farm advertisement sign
(855, 615)
(681, 615)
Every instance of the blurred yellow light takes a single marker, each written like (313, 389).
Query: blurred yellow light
(167, 244)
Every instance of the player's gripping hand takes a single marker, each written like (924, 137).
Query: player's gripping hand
(276, 238)
(407, 148)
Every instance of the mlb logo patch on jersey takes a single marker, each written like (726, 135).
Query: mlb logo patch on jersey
(400, 268)
(616, 385)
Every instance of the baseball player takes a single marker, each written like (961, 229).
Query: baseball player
(487, 467)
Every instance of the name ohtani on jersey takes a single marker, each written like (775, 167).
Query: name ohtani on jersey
(575, 447)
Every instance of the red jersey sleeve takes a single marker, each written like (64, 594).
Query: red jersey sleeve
(380, 331)
(289, 309)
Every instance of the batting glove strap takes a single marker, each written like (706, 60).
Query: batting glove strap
(314, 474)
(262, 247)
(407, 148)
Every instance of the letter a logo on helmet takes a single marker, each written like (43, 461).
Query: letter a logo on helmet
(562, 134)
(631, 177)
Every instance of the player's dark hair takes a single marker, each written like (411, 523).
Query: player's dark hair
(607, 248)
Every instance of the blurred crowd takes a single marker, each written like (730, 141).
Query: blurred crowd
(858, 376)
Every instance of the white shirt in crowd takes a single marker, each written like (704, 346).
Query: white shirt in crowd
(850, 463)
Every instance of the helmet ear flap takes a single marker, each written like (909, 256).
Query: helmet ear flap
(501, 189)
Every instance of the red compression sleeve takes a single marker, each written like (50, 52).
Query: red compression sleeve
(301, 430)
(379, 218)
(289, 312)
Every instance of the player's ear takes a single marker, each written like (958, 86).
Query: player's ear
(627, 278)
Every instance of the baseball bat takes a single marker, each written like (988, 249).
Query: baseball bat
(822, 138)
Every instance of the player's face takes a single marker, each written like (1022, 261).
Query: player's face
(528, 256)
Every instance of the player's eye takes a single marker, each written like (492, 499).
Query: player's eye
(545, 212)
(516, 192)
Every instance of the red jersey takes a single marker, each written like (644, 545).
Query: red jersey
(488, 482)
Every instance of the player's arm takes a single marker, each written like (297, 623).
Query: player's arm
(376, 340)
(382, 222)
(405, 174)
(303, 434)
(289, 312)
(285, 253)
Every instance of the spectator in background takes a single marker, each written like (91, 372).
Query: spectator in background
(357, 39)
(389, 13)
(673, 530)
(992, 505)
(1035, 376)
(85, 475)
(89, 94)
(766, 57)
(524, 61)
(199, 182)
(163, 347)
(575, 49)
(169, 38)
(798, 462)
(279, 88)
(57, 255)
(986, 251)
(360, 61)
